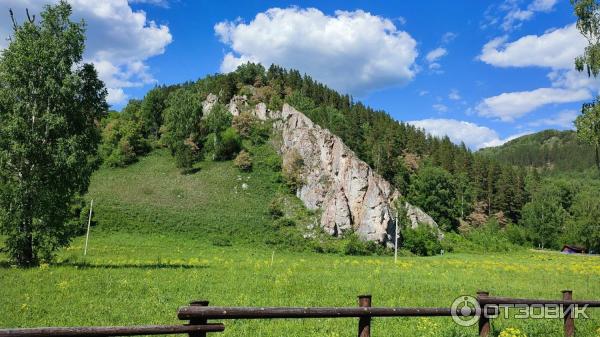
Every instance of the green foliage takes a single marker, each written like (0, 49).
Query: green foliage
(586, 214)
(151, 111)
(217, 120)
(588, 125)
(251, 74)
(50, 104)
(588, 24)
(292, 169)
(490, 237)
(182, 126)
(357, 247)
(228, 144)
(516, 235)
(421, 241)
(277, 207)
(244, 123)
(122, 140)
(284, 222)
(433, 190)
(243, 161)
(549, 150)
(544, 217)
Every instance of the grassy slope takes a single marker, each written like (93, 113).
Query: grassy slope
(208, 205)
(153, 251)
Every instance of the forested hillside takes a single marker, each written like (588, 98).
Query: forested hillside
(550, 150)
(461, 190)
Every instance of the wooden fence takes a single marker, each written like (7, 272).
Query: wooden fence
(199, 312)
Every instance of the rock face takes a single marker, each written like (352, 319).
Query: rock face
(209, 103)
(349, 193)
(236, 104)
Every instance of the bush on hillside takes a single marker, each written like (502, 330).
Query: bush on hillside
(228, 144)
(260, 132)
(122, 140)
(421, 241)
(357, 247)
(243, 161)
(243, 124)
(292, 169)
(277, 207)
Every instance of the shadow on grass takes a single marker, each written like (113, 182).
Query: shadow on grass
(190, 171)
(85, 265)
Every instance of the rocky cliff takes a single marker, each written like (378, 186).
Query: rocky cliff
(349, 193)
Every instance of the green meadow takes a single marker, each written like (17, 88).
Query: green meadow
(161, 239)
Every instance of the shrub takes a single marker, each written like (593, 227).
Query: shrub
(273, 161)
(260, 132)
(490, 237)
(276, 207)
(356, 246)
(243, 161)
(421, 241)
(275, 103)
(517, 235)
(244, 123)
(292, 169)
(228, 144)
(122, 141)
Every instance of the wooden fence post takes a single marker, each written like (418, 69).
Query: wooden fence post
(202, 321)
(484, 321)
(567, 295)
(364, 323)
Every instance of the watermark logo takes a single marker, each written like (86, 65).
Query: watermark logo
(466, 311)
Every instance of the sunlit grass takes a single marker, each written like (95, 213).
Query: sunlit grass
(158, 245)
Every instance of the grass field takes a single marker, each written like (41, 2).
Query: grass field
(163, 239)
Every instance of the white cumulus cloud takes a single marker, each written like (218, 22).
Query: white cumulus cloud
(351, 51)
(563, 119)
(119, 40)
(555, 49)
(473, 135)
(510, 106)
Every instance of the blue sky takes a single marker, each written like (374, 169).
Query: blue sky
(480, 71)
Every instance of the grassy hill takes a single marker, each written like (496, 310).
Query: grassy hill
(153, 196)
(215, 204)
(549, 149)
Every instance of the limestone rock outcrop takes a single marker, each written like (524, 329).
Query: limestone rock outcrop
(236, 104)
(209, 103)
(349, 193)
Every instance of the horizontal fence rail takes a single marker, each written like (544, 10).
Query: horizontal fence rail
(192, 312)
(111, 330)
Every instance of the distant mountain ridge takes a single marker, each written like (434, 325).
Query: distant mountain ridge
(548, 149)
